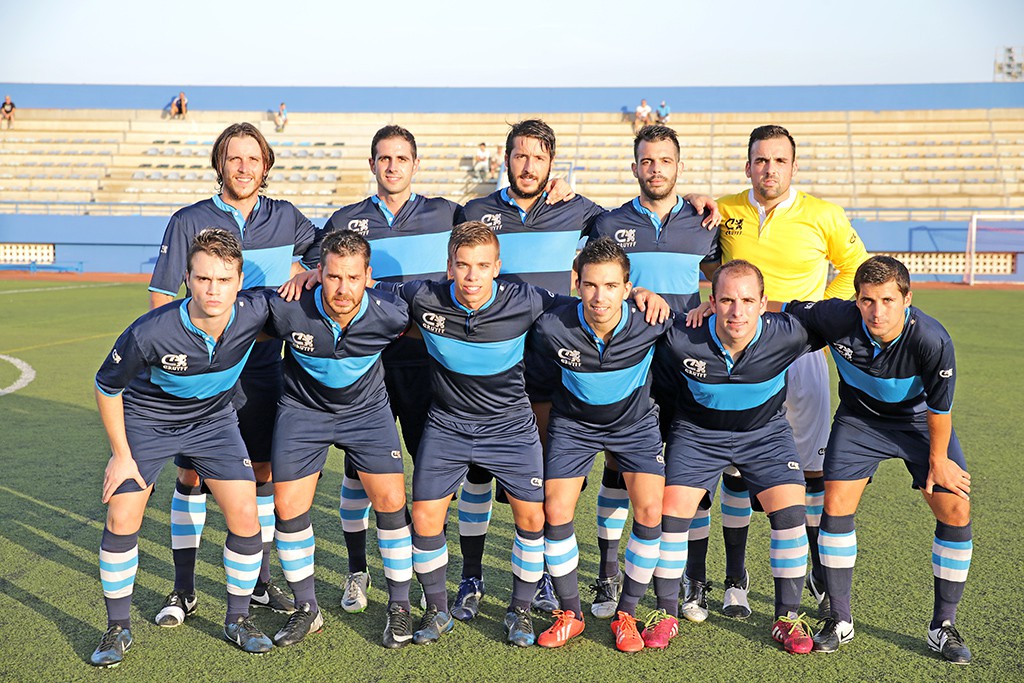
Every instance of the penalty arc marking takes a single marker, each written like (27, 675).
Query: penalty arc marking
(24, 379)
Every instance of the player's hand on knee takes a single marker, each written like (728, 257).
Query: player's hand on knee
(292, 290)
(119, 470)
(950, 476)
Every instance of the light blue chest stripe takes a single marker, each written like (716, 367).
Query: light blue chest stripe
(335, 373)
(270, 267)
(409, 255)
(666, 273)
(886, 390)
(538, 252)
(479, 359)
(736, 396)
(605, 388)
(206, 385)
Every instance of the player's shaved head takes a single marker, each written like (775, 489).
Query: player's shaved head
(878, 270)
(388, 132)
(345, 243)
(769, 133)
(739, 267)
(471, 234)
(219, 243)
(219, 155)
(532, 128)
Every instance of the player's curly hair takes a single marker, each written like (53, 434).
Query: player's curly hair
(654, 133)
(878, 270)
(769, 133)
(742, 268)
(219, 155)
(345, 243)
(216, 242)
(603, 250)
(531, 128)
(471, 234)
(388, 132)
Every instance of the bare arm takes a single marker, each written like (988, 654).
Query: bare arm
(941, 470)
(158, 299)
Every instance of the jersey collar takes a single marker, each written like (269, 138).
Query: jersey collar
(726, 356)
(594, 335)
(335, 327)
(235, 213)
(470, 311)
(187, 323)
(512, 202)
(388, 216)
(762, 215)
(655, 218)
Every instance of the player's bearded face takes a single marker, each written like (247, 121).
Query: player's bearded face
(529, 167)
(771, 168)
(657, 168)
(344, 284)
(244, 169)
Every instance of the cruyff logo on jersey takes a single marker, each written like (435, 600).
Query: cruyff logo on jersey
(433, 322)
(733, 226)
(360, 226)
(809, 305)
(175, 362)
(569, 357)
(115, 356)
(946, 374)
(844, 351)
(492, 221)
(163, 248)
(626, 237)
(697, 368)
(302, 341)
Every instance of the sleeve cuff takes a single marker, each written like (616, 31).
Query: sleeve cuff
(162, 291)
(107, 393)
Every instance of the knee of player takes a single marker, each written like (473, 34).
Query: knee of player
(531, 520)
(389, 501)
(954, 512)
(557, 513)
(262, 472)
(648, 513)
(188, 477)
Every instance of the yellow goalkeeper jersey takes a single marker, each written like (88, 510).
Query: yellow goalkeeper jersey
(793, 244)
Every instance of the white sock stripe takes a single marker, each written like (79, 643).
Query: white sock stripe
(562, 556)
(790, 533)
(424, 567)
(476, 489)
(390, 534)
(528, 558)
(476, 508)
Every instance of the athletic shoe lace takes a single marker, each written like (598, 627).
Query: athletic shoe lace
(428, 617)
(798, 622)
(352, 589)
(399, 621)
(603, 589)
(627, 626)
(655, 617)
(109, 639)
(523, 622)
(952, 635)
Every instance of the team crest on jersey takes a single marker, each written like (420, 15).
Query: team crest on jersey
(175, 362)
(115, 356)
(163, 248)
(626, 237)
(360, 226)
(946, 374)
(697, 368)
(302, 341)
(492, 221)
(432, 322)
(569, 357)
(844, 351)
(733, 226)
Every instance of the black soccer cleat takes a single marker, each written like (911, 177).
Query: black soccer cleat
(244, 634)
(433, 625)
(832, 634)
(176, 607)
(948, 642)
(398, 628)
(300, 624)
(114, 643)
(270, 596)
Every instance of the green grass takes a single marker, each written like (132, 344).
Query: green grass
(51, 609)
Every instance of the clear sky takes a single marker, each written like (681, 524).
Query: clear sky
(470, 43)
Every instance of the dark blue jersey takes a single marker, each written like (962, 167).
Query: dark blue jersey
(537, 247)
(330, 369)
(171, 372)
(476, 356)
(717, 393)
(915, 373)
(604, 386)
(664, 257)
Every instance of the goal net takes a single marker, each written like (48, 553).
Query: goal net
(995, 246)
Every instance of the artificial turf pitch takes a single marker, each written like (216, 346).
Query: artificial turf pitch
(53, 452)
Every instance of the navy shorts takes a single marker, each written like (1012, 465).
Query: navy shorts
(571, 448)
(409, 391)
(856, 447)
(302, 437)
(256, 398)
(508, 449)
(214, 448)
(766, 457)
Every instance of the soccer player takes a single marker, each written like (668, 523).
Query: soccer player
(334, 394)
(792, 237)
(604, 349)
(668, 247)
(897, 373)
(165, 390)
(732, 385)
(272, 232)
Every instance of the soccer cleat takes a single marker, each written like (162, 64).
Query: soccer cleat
(114, 643)
(467, 600)
(398, 628)
(247, 637)
(606, 596)
(660, 628)
(177, 606)
(433, 625)
(735, 604)
(545, 599)
(566, 626)
(519, 627)
(269, 595)
(695, 600)
(793, 632)
(353, 598)
(820, 596)
(627, 638)
(832, 634)
(948, 642)
(300, 624)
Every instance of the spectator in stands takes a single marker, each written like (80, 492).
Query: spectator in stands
(7, 112)
(179, 107)
(496, 160)
(643, 116)
(663, 113)
(481, 163)
(281, 118)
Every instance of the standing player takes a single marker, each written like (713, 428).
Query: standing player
(732, 385)
(165, 390)
(897, 373)
(668, 248)
(792, 237)
(272, 232)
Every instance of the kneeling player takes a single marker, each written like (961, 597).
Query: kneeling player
(334, 394)
(732, 375)
(896, 378)
(165, 390)
(604, 350)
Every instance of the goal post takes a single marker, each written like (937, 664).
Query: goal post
(994, 252)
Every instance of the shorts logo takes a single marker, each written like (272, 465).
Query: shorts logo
(569, 357)
(432, 322)
(626, 238)
(946, 374)
(821, 451)
(246, 462)
(115, 356)
(844, 351)
(660, 459)
(360, 226)
(163, 248)
(733, 226)
(697, 368)
(793, 465)
(175, 362)
(302, 341)
(492, 221)
(397, 455)
(537, 482)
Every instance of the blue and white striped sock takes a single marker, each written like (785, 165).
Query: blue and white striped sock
(242, 559)
(736, 510)
(643, 550)
(697, 546)
(296, 547)
(788, 555)
(951, 560)
(119, 563)
(265, 510)
(355, 520)
(474, 520)
(394, 538)
(430, 561)
(562, 557)
(672, 554)
(837, 547)
(527, 566)
(814, 500)
(612, 510)
(188, 517)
